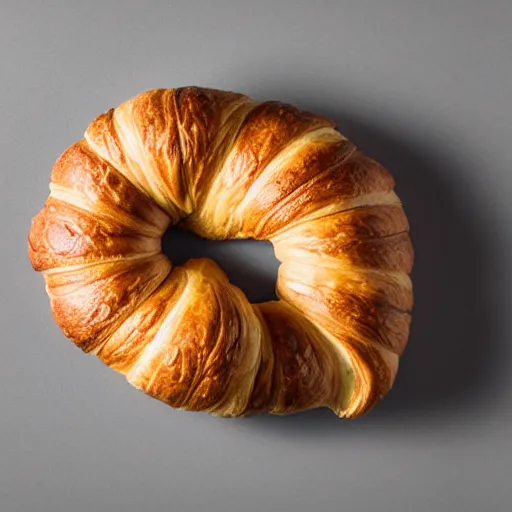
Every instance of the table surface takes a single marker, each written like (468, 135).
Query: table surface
(424, 87)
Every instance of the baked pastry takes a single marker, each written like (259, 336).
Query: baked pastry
(225, 166)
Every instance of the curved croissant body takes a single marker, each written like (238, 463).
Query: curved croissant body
(225, 166)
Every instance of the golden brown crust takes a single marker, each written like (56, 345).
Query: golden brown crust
(104, 191)
(301, 371)
(266, 131)
(210, 121)
(227, 167)
(142, 133)
(89, 302)
(63, 235)
(205, 354)
(372, 237)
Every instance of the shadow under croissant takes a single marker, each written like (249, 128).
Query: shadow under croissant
(447, 368)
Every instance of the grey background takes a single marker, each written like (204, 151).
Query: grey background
(423, 86)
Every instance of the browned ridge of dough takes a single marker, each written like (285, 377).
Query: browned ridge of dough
(225, 166)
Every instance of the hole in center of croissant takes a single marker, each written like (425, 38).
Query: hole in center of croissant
(249, 264)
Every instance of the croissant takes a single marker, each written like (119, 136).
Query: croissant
(225, 166)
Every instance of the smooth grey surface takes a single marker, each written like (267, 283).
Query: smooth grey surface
(423, 86)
